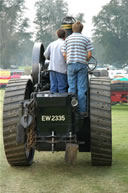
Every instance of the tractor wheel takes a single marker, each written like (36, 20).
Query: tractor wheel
(100, 121)
(16, 91)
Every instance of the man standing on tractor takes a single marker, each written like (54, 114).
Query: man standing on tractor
(77, 51)
(57, 65)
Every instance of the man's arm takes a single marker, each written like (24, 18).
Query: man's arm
(89, 54)
(47, 52)
(63, 50)
(65, 55)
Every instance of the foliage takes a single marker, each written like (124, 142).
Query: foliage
(111, 31)
(49, 15)
(80, 17)
(13, 32)
(15, 38)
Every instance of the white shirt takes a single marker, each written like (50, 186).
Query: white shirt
(57, 62)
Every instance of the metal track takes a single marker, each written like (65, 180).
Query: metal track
(100, 121)
(16, 91)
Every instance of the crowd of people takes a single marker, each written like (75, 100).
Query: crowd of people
(68, 65)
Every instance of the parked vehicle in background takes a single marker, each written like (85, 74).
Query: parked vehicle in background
(119, 82)
(119, 90)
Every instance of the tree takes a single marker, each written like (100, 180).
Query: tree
(49, 15)
(80, 17)
(13, 31)
(111, 31)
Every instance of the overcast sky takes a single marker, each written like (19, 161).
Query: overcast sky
(90, 8)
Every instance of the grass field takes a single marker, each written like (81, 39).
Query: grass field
(50, 174)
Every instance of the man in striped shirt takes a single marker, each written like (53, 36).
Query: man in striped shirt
(77, 50)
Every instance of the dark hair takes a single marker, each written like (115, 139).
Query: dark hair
(61, 33)
(77, 27)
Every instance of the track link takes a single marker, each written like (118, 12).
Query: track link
(100, 121)
(16, 91)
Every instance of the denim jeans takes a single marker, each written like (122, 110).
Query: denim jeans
(58, 82)
(78, 85)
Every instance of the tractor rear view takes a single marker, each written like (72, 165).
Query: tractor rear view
(35, 119)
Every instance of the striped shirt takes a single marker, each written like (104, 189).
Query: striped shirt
(76, 47)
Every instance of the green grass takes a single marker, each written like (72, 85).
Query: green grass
(50, 174)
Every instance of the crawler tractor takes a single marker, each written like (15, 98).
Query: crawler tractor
(35, 119)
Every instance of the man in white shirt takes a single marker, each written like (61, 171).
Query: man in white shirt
(57, 65)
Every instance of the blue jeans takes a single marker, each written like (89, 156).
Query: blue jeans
(78, 85)
(58, 82)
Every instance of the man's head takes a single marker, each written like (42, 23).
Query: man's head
(77, 27)
(61, 33)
